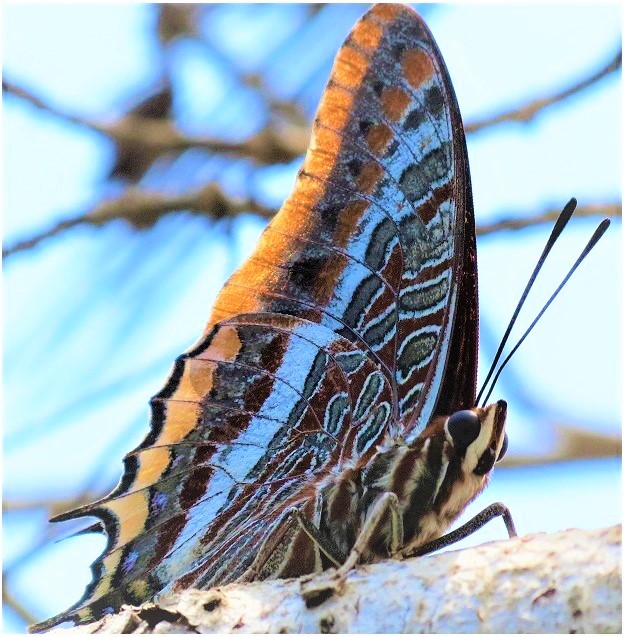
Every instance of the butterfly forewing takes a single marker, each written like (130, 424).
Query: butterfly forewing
(383, 186)
(335, 332)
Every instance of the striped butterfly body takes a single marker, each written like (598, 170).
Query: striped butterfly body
(311, 420)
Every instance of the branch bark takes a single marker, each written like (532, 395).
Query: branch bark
(569, 582)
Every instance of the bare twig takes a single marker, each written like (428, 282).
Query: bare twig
(612, 210)
(573, 443)
(142, 209)
(529, 111)
(53, 506)
(15, 605)
(37, 102)
(272, 145)
(31, 242)
(175, 20)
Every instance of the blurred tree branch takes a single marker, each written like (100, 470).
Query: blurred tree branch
(272, 145)
(529, 111)
(612, 210)
(144, 128)
(144, 133)
(52, 505)
(142, 209)
(15, 605)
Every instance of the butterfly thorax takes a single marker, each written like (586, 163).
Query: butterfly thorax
(433, 478)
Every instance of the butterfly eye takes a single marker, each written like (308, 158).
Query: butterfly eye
(464, 427)
(503, 450)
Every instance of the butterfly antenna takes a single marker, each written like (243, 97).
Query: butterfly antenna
(600, 230)
(560, 224)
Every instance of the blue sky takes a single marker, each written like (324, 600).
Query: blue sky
(94, 318)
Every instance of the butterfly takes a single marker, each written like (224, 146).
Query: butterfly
(328, 413)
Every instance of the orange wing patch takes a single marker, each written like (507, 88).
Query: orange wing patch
(388, 12)
(132, 510)
(369, 177)
(152, 463)
(417, 66)
(225, 346)
(367, 35)
(378, 138)
(350, 67)
(351, 214)
(395, 102)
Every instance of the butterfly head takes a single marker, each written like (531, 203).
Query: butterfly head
(478, 436)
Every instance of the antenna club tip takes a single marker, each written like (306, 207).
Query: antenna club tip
(603, 226)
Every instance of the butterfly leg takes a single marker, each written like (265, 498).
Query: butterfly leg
(333, 553)
(268, 555)
(267, 549)
(386, 503)
(324, 586)
(498, 509)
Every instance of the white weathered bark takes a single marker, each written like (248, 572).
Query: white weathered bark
(565, 583)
